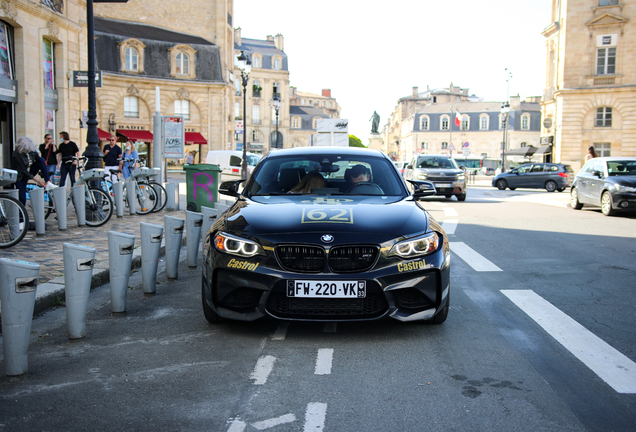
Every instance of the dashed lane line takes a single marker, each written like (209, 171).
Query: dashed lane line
(315, 417)
(263, 368)
(609, 364)
(472, 258)
(281, 331)
(266, 424)
(323, 361)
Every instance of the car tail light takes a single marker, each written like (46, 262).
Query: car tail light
(563, 175)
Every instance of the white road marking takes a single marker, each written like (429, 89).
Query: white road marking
(472, 258)
(450, 212)
(323, 361)
(263, 368)
(281, 331)
(609, 364)
(266, 424)
(315, 417)
(237, 426)
(450, 225)
(330, 327)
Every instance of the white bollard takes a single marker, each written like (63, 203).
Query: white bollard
(37, 204)
(59, 198)
(120, 250)
(78, 192)
(18, 283)
(78, 275)
(118, 192)
(150, 250)
(194, 221)
(174, 235)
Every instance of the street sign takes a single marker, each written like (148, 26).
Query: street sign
(80, 79)
(466, 152)
(466, 144)
(451, 147)
(238, 126)
(173, 132)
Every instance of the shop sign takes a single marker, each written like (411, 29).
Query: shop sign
(80, 79)
(173, 133)
(50, 98)
(8, 90)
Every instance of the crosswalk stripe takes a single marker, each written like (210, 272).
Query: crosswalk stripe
(315, 417)
(263, 368)
(323, 361)
(281, 331)
(472, 258)
(450, 225)
(608, 363)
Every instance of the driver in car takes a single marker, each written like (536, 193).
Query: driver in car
(360, 173)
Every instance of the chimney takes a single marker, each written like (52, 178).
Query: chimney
(280, 42)
(326, 92)
(270, 38)
(515, 102)
(415, 91)
(237, 36)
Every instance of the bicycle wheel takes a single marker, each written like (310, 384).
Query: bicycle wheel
(162, 196)
(99, 207)
(14, 221)
(146, 198)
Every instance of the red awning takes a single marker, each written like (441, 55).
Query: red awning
(195, 138)
(102, 134)
(135, 135)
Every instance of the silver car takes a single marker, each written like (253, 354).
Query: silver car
(449, 179)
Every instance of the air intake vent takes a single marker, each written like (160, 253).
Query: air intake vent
(346, 259)
(301, 258)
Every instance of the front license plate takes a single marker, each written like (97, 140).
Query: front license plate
(443, 185)
(330, 289)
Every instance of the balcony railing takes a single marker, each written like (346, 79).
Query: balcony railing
(604, 81)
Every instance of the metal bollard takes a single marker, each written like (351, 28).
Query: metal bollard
(78, 275)
(150, 249)
(118, 192)
(37, 204)
(120, 250)
(18, 283)
(59, 198)
(174, 235)
(78, 192)
(172, 200)
(131, 195)
(194, 221)
(209, 217)
(13, 216)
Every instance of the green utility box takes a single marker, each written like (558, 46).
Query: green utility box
(202, 182)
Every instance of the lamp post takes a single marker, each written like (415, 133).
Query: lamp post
(276, 105)
(505, 109)
(245, 66)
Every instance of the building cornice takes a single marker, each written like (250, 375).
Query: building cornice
(550, 30)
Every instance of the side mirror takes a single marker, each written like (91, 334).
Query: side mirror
(597, 173)
(422, 189)
(230, 187)
(409, 167)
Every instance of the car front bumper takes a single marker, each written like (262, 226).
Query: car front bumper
(624, 201)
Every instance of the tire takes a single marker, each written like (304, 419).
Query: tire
(208, 312)
(162, 196)
(12, 231)
(440, 318)
(606, 204)
(560, 189)
(146, 198)
(512, 188)
(191, 207)
(99, 208)
(574, 200)
(501, 184)
(461, 197)
(550, 186)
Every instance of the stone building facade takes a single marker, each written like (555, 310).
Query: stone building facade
(590, 93)
(323, 102)
(303, 125)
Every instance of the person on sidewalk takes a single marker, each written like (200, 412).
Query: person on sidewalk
(127, 166)
(26, 161)
(112, 158)
(66, 150)
(48, 150)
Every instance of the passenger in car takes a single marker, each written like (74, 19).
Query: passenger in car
(313, 179)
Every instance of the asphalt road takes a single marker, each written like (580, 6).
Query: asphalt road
(520, 259)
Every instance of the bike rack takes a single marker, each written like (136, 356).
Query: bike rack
(131, 195)
(209, 217)
(37, 203)
(120, 254)
(172, 200)
(150, 250)
(13, 215)
(78, 192)
(59, 199)
(174, 236)
(194, 221)
(78, 274)
(118, 192)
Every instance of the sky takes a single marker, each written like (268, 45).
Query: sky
(370, 55)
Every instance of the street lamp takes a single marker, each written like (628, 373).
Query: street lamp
(505, 109)
(245, 66)
(276, 105)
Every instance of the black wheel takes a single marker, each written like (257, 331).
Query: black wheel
(99, 207)
(162, 196)
(209, 313)
(512, 188)
(550, 186)
(442, 315)
(574, 200)
(501, 184)
(14, 221)
(461, 197)
(606, 204)
(560, 189)
(191, 207)
(146, 198)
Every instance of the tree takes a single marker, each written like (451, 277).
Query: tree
(354, 141)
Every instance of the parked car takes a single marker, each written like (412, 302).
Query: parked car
(401, 166)
(609, 182)
(487, 171)
(332, 250)
(230, 162)
(449, 179)
(548, 176)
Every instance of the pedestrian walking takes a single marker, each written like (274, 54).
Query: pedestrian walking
(48, 151)
(591, 153)
(112, 158)
(128, 166)
(65, 152)
(28, 163)
(190, 158)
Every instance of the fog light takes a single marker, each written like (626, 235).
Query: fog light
(624, 204)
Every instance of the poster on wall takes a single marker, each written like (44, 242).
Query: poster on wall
(173, 137)
(47, 60)
(5, 65)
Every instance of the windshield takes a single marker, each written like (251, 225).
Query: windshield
(436, 162)
(621, 167)
(252, 160)
(325, 174)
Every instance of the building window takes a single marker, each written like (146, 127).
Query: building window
(525, 122)
(237, 110)
(605, 61)
(444, 124)
(256, 88)
(423, 123)
(132, 59)
(256, 61)
(424, 145)
(323, 103)
(131, 107)
(465, 122)
(310, 101)
(603, 117)
(314, 123)
(330, 104)
(182, 108)
(607, 2)
(256, 114)
(276, 64)
(444, 146)
(296, 122)
(483, 122)
(302, 102)
(524, 144)
(183, 64)
(603, 149)
(255, 136)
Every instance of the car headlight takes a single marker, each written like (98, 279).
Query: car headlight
(621, 188)
(461, 176)
(418, 246)
(422, 176)
(229, 244)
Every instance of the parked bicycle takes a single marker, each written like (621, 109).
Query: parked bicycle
(14, 219)
(151, 195)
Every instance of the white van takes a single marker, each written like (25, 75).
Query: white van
(230, 162)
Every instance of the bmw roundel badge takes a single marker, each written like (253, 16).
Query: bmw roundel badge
(327, 238)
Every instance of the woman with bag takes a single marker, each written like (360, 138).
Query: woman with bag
(130, 153)
(26, 161)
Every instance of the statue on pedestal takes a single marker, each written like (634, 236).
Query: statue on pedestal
(375, 122)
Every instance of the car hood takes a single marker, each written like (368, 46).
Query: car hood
(389, 217)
